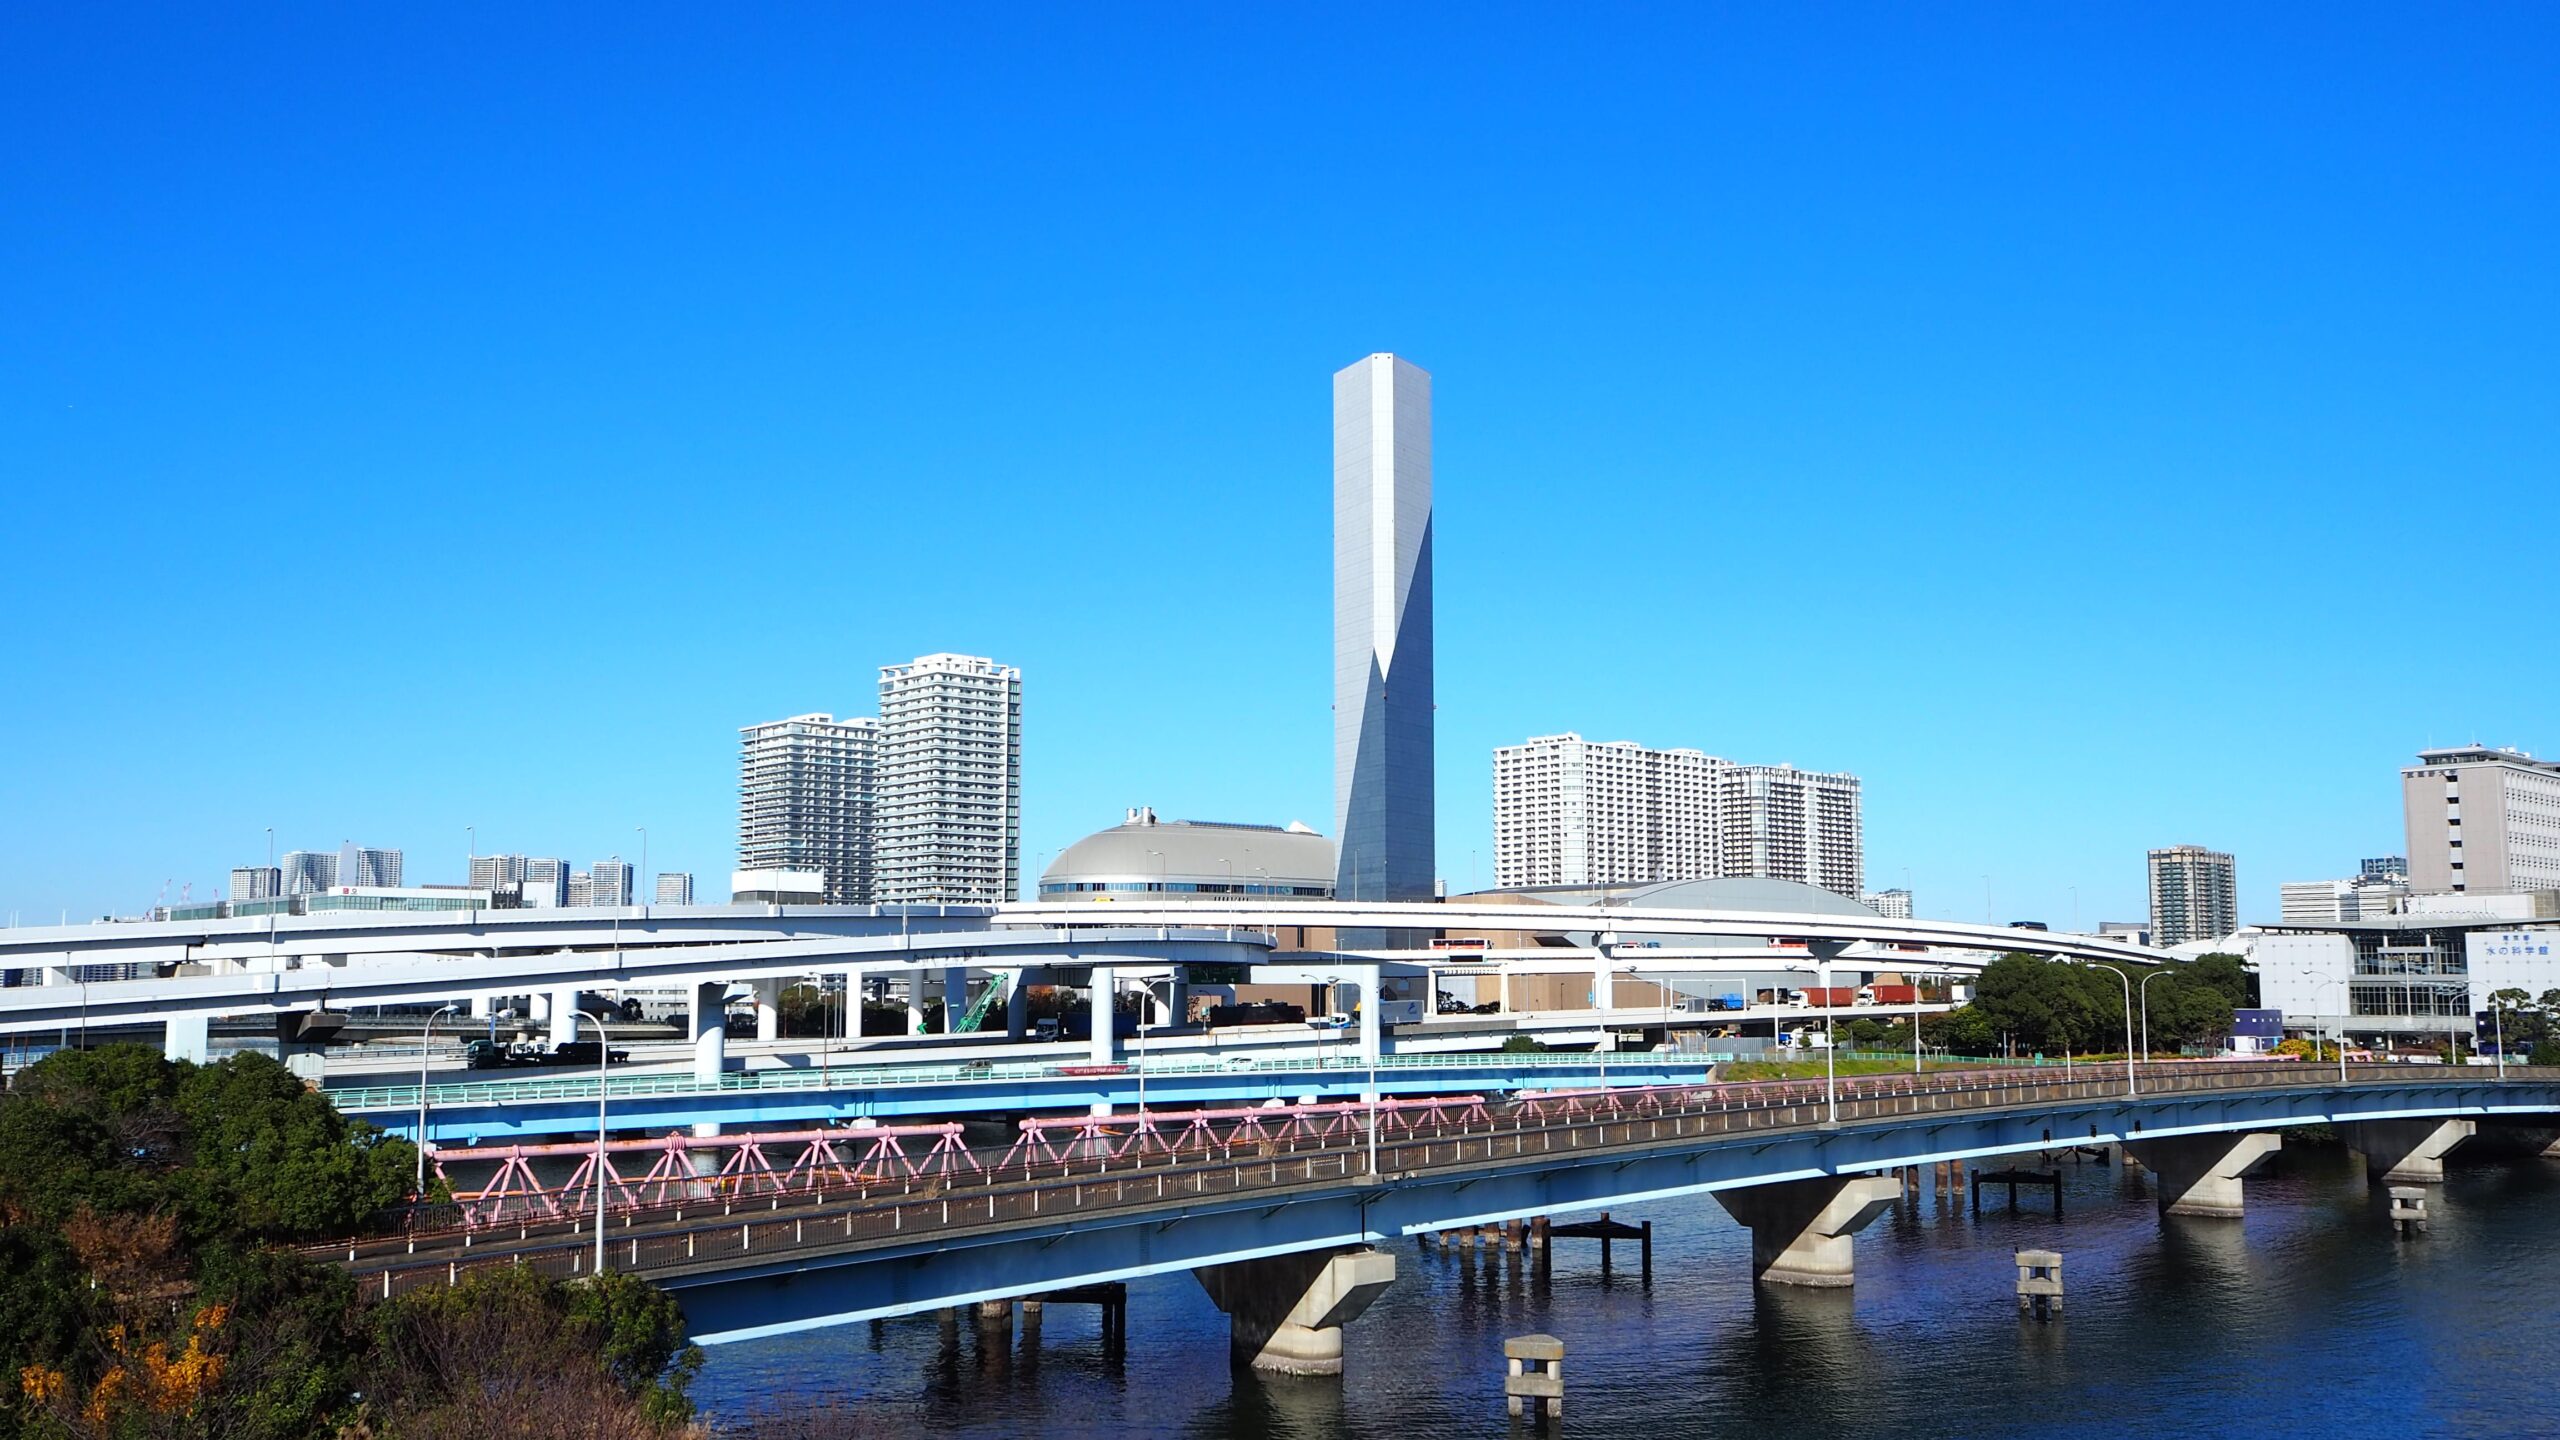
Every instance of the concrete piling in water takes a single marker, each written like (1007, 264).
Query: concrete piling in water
(2408, 1211)
(2040, 1284)
(1535, 1384)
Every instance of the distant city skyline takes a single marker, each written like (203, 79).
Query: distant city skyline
(1768, 397)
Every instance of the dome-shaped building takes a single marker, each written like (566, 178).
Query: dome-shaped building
(1151, 859)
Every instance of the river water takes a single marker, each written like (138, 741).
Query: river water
(2308, 1317)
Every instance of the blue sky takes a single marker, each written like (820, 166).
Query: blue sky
(2097, 427)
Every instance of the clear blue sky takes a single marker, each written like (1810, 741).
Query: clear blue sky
(2097, 428)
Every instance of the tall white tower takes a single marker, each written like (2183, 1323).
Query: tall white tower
(1382, 700)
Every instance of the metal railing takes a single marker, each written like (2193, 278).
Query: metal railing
(715, 1230)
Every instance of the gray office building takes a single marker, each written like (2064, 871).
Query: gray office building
(1382, 698)
(307, 872)
(256, 882)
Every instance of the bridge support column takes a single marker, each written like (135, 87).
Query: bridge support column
(955, 997)
(1800, 1229)
(915, 1001)
(563, 1007)
(710, 1031)
(480, 1007)
(1286, 1312)
(1106, 1038)
(2406, 1152)
(1017, 1007)
(189, 1037)
(2202, 1174)
(768, 1009)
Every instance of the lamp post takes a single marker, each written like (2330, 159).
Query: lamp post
(1830, 1045)
(2130, 1086)
(1142, 1075)
(2346, 1001)
(2146, 1010)
(2498, 1012)
(425, 1036)
(604, 1056)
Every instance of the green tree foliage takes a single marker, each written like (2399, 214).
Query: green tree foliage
(143, 1291)
(2040, 1006)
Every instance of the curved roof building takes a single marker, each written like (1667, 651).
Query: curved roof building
(1177, 859)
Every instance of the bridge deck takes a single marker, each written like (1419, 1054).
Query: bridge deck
(689, 1242)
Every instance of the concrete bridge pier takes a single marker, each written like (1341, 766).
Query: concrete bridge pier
(562, 1006)
(2202, 1174)
(2406, 1152)
(1017, 1006)
(768, 1009)
(915, 1001)
(1286, 1312)
(1800, 1229)
(1099, 993)
(189, 1037)
(710, 1031)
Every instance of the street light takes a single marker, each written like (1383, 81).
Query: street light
(424, 1036)
(2146, 1009)
(2130, 1087)
(2346, 1001)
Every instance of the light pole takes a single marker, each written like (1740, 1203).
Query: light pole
(2346, 1001)
(2146, 1009)
(2498, 1012)
(419, 1188)
(2130, 1087)
(1830, 1046)
(1143, 1010)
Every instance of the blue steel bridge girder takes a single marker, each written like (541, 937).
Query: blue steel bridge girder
(809, 1292)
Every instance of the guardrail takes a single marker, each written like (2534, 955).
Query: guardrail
(582, 1086)
(1028, 1186)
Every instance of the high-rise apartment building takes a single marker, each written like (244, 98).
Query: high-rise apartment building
(609, 882)
(580, 891)
(308, 872)
(2482, 820)
(544, 884)
(2195, 895)
(1790, 824)
(1891, 904)
(675, 887)
(362, 865)
(256, 882)
(1384, 804)
(807, 791)
(1568, 811)
(949, 818)
(497, 874)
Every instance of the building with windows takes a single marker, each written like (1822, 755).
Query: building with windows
(1781, 823)
(2482, 820)
(1891, 904)
(364, 866)
(2383, 867)
(949, 806)
(1383, 784)
(2194, 895)
(545, 883)
(2421, 978)
(307, 871)
(675, 887)
(2314, 902)
(394, 898)
(1144, 857)
(807, 801)
(256, 882)
(1568, 811)
(610, 882)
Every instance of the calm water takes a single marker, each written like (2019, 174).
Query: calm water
(2307, 1317)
